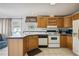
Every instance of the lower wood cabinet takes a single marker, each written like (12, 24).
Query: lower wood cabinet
(63, 41)
(69, 42)
(66, 41)
(30, 42)
(25, 45)
(15, 47)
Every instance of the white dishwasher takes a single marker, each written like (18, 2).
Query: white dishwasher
(43, 40)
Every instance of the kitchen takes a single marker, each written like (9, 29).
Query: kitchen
(41, 31)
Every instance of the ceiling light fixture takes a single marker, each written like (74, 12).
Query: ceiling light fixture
(52, 4)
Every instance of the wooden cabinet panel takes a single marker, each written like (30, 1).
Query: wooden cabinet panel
(66, 41)
(68, 22)
(52, 21)
(42, 22)
(75, 16)
(15, 47)
(30, 42)
(60, 22)
(69, 42)
(63, 41)
(25, 45)
(33, 42)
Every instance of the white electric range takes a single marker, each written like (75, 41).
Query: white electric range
(53, 37)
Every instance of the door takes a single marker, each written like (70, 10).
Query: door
(52, 21)
(69, 42)
(33, 42)
(42, 22)
(63, 41)
(68, 22)
(60, 22)
(75, 37)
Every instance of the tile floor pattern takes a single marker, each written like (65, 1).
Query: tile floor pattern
(55, 52)
(4, 51)
(45, 52)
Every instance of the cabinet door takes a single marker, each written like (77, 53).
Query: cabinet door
(68, 22)
(60, 22)
(33, 42)
(25, 44)
(42, 22)
(15, 47)
(52, 21)
(63, 41)
(75, 17)
(69, 42)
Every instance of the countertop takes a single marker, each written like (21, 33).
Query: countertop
(21, 37)
(14, 37)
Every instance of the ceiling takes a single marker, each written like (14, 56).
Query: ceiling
(34, 9)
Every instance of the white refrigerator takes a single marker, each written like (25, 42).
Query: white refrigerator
(76, 37)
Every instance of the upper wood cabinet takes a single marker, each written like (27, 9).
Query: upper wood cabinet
(52, 21)
(68, 22)
(60, 22)
(42, 22)
(75, 16)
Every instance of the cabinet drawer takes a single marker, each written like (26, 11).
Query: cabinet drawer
(53, 45)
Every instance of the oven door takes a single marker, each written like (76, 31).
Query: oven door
(54, 39)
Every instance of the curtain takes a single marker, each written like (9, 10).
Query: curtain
(5, 26)
(1, 25)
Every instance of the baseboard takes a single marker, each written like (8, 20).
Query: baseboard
(43, 46)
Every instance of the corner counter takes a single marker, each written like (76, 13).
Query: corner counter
(15, 46)
(19, 46)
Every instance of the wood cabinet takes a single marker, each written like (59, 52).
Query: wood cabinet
(63, 41)
(42, 22)
(52, 21)
(15, 47)
(69, 42)
(68, 22)
(33, 42)
(25, 45)
(20, 46)
(30, 42)
(60, 22)
(75, 16)
(66, 41)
